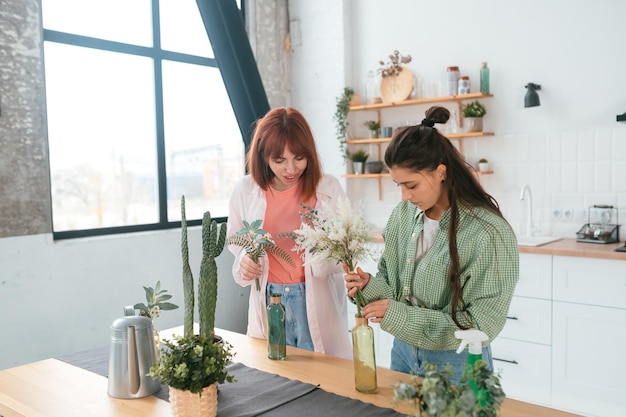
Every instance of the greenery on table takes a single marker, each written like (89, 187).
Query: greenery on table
(435, 396)
(156, 300)
(193, 362)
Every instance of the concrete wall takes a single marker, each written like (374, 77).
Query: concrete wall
(59, 297)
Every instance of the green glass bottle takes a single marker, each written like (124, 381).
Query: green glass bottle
(364, 358)
(484, 79)
(276, 341)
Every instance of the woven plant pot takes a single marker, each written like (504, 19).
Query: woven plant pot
(188, 404)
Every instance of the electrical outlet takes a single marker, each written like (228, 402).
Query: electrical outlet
(568, 214)
(557, 214)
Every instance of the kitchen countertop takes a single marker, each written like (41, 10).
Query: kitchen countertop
(563, 247)
(570, 247)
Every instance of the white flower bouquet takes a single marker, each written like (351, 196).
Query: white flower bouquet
(336, 232)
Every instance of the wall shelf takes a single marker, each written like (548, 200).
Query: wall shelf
(379, 142)
(458, 99)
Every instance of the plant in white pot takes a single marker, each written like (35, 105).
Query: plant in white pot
(483, 165)
(473, 113)
(358, 160)
(193, 364)
(372, 127)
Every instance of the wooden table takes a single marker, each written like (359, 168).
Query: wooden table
(52, 388)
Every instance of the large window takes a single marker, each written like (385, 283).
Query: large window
(138, 115)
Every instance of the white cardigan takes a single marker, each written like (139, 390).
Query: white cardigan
(326, 299)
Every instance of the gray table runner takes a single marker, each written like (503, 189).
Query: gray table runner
(256, 393)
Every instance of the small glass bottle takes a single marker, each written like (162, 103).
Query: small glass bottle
(484, 79)
(371, 88)
(276, 342)
(364, 359)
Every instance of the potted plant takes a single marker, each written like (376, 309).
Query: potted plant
(473, 113)
(341, 119)
(479, 392)
(358, 160)
(483, 165)
(372, 127)
(193, 364)
(156, 300)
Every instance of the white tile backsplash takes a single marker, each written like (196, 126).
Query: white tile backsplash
(565, 170)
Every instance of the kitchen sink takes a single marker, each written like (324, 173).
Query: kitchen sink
(536, 240)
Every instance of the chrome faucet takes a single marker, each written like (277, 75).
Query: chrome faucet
(529, 219)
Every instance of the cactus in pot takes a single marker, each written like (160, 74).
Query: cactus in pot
(213, 240)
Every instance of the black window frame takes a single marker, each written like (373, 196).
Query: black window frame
(224, 24)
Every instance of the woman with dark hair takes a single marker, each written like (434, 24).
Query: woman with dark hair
(285, 172)
(450, 260)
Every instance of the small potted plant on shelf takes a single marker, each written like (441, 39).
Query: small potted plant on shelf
(483, 165)
(341, 119)
(372, 127)
(358, 160)
(473, 113)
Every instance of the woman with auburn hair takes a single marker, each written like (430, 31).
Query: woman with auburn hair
(450, 260)
(285, 172)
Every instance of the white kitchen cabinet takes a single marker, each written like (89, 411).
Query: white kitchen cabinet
(588, 340)
(522, 351)
(524, 369)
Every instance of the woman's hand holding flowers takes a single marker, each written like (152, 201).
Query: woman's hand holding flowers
(355, 280)
(250, 269)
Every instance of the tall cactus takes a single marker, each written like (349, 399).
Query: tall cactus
(213, 239)
(188, 292)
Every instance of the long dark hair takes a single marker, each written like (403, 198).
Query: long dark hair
(423, 148)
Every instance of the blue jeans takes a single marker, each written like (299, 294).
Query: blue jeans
(410, 359)
(296, 322)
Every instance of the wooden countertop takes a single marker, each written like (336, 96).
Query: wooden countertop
(563, 247)
(570, 247)
(52, 388)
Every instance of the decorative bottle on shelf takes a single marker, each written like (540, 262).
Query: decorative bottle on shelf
(276, 342)
(484, 78)
(452, 76)
(464, 85)
(371, 88)
(364, 359)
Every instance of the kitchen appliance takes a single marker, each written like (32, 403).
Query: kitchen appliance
(602, 226)
(131, 355)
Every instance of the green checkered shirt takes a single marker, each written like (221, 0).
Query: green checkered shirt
(489, 269)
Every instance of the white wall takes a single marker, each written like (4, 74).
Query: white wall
(61, 297)
(570, 150)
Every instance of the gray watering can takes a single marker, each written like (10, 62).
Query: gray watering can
(131, 355)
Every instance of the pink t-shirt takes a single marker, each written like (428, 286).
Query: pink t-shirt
(283, 216)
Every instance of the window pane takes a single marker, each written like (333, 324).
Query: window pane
(182, 29)
(102, 138)
(204, 147)
(128, 21)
